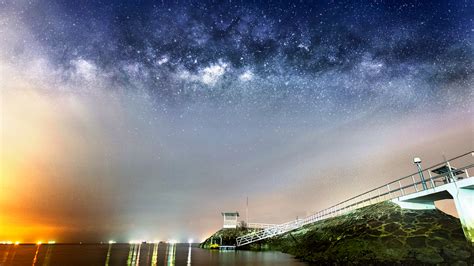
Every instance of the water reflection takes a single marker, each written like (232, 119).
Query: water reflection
(107, 260)
(7, 258)
(154, 257)
(137, 258)
(171, 254)
(35, 258)
(134, 254)
(14, 253)
(129, 259)
(47, 257)
(5, 255)
(189, 255)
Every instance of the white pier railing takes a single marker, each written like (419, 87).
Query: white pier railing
(259, 225)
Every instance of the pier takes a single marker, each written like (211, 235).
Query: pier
(416, 191)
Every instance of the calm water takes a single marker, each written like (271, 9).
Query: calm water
(138, 254)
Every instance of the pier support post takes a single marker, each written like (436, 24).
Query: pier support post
(464, 201)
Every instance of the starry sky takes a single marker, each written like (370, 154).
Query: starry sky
(145, 119)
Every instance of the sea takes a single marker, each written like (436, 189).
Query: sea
(136, 254)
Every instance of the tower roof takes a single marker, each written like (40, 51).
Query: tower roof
(230, 214)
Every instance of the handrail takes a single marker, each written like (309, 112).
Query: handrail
(384, 191)
(259, 225)
(400, 179)
(388, 192)
(407, 186)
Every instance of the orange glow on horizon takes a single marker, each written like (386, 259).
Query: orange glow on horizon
(26, 232)
(33, 141)
(27, 126)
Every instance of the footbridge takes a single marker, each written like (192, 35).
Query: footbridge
(415, 191)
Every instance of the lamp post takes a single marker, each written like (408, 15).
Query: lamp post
(417, 161)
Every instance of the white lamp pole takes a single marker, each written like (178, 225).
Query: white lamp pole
(417, 161)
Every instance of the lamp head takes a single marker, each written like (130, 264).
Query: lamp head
(417, 160)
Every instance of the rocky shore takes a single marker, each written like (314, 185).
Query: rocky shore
(379, 234)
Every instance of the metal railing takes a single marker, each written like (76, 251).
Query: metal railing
(259, 225)
(413, 183)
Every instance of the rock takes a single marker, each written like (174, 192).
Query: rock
(391, 227)
(420, 231)
(375, 223)
(459, 263)
(440, 234)
(463, 254)
(416, 241)
(393, 243)
(428, 256)
(437, 243)
(373, 232)
(457, 253)
(457, 234)
(399, 233)
(408, 227)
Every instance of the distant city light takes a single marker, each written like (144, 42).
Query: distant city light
(5, 242)
(172, 241)
(190, 241)
(39, 242)
(51, 242)
(112, 242)
(155, 241)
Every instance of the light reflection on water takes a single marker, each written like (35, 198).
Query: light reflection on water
(188, 262)
(107, 260)
(154, 258)
(47, 257)
(35, 258)
(134, 254)
(5, 255)
(171, 254)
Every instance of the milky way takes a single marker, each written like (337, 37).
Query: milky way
(345, 55)
(160, 105)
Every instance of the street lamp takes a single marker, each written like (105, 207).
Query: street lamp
(417, 161)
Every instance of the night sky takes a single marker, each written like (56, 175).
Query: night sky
(145, 119)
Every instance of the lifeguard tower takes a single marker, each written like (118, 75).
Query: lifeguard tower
(230, 219)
